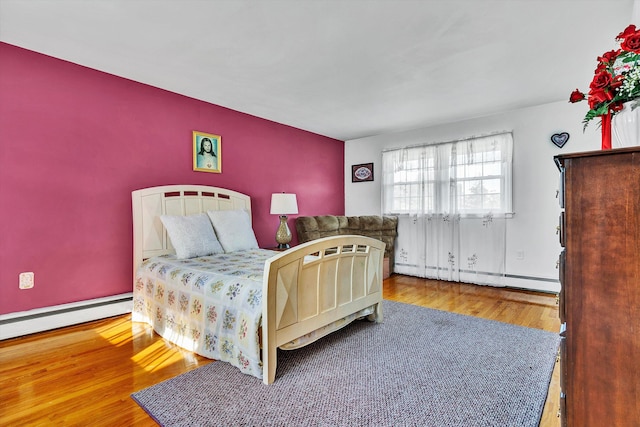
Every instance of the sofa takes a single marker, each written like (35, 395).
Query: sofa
(383, 228)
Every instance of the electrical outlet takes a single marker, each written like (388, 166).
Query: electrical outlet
(520, 255)
(26, 280)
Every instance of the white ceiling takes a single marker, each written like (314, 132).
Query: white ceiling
(345, 69)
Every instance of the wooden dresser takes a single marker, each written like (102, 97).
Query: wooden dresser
(600, 288)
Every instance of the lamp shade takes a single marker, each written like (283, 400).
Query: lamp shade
(284, 204)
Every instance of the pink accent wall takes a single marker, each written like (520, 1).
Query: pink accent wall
(74, 143)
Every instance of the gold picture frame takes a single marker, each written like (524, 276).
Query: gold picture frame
(207, 152)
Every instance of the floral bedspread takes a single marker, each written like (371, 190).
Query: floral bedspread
(209, 305)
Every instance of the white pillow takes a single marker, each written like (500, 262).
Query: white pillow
(233, 229)
(191, 235)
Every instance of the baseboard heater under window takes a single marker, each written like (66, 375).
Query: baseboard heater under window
(516, 281)
(43, 319)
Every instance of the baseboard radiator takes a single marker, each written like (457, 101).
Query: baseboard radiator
(43, 319)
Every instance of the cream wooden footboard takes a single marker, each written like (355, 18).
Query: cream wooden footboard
(315, 284)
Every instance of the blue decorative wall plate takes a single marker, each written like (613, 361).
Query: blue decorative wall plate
(559, 139)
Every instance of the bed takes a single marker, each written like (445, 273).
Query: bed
(241, 303)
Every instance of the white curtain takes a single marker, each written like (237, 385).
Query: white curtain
(452, 201)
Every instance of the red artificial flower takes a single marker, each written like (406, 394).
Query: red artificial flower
(576, 96)
(598, 96)
(601, 67)
(630, 39)
(616, 82)
(632, 43)
(601, 80)
(608, 58)
(627, 32)
(616, 106)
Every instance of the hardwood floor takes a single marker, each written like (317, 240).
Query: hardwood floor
(84, 374)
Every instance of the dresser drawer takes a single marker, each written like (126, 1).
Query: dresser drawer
(561, 228)
(563, 410)
(563, 362)
(561, 189)
(561, 296)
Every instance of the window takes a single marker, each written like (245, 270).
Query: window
(469, 177)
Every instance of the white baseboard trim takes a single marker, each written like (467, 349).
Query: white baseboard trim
(541, 284)
(44, 319)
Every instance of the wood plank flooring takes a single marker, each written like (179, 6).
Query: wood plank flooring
(84, 375)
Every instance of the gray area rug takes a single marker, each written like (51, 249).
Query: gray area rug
(421, 367)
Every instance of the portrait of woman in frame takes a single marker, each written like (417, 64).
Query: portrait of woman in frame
(207, 152)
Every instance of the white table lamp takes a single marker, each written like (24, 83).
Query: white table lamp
(283, 204)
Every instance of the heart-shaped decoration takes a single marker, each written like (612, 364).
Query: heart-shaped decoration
(559, 139)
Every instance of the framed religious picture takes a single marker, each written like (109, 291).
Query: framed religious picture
(362, 173)
(207, 152)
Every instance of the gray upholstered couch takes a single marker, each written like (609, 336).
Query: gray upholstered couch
(383, 228)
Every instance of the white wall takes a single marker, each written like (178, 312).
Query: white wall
(535, 179)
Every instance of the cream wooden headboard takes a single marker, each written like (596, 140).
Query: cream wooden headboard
(149, 236)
